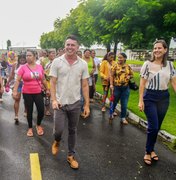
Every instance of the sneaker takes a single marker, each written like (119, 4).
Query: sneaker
(55, 148)
(72, 161)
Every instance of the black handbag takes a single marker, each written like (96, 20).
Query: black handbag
(43, 92)
(133, 85)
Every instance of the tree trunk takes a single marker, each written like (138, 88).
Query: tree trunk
(108, 47)
(115, 48)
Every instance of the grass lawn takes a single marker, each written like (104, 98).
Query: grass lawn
(169, 123)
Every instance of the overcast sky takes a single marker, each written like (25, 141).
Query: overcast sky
(24, 21)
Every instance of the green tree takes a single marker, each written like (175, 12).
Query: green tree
(50, 40)
(135, 23)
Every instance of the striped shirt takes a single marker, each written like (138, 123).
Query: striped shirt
(157, 77)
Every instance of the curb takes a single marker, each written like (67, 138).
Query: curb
(141, 122)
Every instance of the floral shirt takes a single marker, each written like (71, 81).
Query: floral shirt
(121, 74)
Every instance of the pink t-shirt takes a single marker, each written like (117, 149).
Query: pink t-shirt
(30, 84)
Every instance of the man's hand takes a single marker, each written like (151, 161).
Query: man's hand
(86, 112)
(55, 104)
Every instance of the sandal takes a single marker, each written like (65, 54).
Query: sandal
(154, 156)
(110, 120)
(30, 132)
(147, 159)
(25, 114)
(114, 113)
(103, 109)
(125, 122)
(16, 120)
(40, 131)
(48, 113)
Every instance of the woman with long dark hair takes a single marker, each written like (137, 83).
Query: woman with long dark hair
(105, 72)
(121, 73)
(13, 75)
(32, 75)
(154, 95)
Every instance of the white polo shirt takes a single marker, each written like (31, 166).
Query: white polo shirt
(68, 79)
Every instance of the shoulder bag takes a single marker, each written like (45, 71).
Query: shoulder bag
(133, 85)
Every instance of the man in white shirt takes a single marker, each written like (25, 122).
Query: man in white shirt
(69, 74)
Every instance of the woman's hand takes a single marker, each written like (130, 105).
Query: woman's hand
(14, 94)
(106, 78)
(48, 92)
(112, 88)
(1, 90)
(92, 72)
(141, 105)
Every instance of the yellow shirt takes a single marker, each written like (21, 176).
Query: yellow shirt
(105, 71)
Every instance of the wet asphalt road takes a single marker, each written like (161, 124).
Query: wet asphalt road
(104, 152)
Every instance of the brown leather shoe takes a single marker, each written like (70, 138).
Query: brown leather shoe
(72, 161)
(55, 148)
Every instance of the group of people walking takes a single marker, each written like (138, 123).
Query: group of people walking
(116, 76)
(71, 76)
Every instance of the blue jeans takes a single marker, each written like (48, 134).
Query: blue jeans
(156, 103)
(121, 93)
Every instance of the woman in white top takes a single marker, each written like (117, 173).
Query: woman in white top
(15, 68)
(153, 94)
